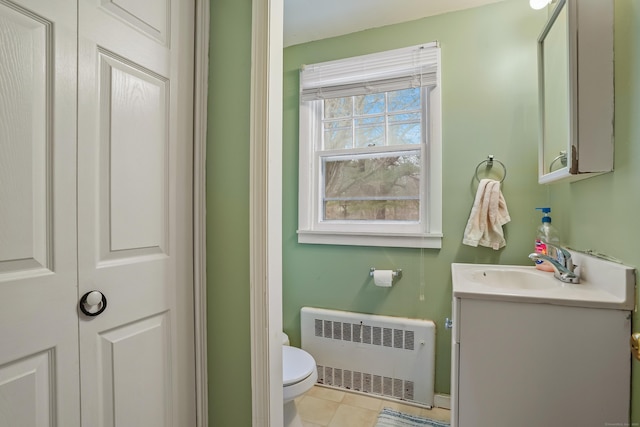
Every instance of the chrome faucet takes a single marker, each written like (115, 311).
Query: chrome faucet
(560, 259)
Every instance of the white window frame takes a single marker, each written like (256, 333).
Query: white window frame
(384, 66)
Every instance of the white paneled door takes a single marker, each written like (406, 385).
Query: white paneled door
(38, 272)
(95, 195)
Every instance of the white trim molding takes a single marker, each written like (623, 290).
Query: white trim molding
(266, 213)
(201, 79)
(442, 401)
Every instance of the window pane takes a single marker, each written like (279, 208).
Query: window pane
(405, 129)
(338, 107)
(370, 131)
(397, 210)
(379, 188)
(373, 120)
(408, 133)
(369, 104)
(338, 134)
(406, 99)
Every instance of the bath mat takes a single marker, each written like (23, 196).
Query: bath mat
(390, 418)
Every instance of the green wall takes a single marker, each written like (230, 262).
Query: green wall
(489, 100)
(601, 213)
(228, 322)
(489, 107)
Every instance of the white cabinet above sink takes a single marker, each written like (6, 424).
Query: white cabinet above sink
(576, 92)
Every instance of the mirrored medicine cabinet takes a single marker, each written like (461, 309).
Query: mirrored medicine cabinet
(575, 85)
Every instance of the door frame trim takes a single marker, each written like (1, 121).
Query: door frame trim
(266, 212)
(201, 80)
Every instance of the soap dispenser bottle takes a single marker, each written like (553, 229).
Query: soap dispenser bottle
(546, 233)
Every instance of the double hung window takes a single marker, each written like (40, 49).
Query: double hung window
(370, 150)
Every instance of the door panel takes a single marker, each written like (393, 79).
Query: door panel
(26, 391)
(23, 108)
(39, 382)
(144, 348)
(150, 18)
(134, 182)
(134, 211)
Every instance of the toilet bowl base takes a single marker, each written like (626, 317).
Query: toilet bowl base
(291, 417)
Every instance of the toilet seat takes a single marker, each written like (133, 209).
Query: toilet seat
(299, 373)
(297, 365)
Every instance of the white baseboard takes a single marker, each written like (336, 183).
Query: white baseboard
(442, 401)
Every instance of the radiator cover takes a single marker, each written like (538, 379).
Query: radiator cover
(386, 356)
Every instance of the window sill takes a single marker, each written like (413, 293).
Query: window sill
(431, 241)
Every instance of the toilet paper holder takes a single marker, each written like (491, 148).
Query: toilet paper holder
(397, 274)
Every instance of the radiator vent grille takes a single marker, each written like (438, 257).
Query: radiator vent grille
(366, 334)
(388, 356)
(368, 383)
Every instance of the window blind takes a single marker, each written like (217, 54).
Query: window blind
(379, 72)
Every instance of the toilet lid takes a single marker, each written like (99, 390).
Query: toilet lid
(296, 365)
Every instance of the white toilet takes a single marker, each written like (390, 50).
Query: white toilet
(299, 374)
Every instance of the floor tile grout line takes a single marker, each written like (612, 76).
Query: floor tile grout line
(337, 398)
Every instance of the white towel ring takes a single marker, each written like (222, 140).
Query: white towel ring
(489, 163)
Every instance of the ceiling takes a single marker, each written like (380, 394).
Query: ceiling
(308, 20)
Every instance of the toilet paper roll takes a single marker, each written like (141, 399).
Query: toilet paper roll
(383, 278)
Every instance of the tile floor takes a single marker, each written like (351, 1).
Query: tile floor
(323, 406)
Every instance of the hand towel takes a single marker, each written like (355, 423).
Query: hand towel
(488, 214)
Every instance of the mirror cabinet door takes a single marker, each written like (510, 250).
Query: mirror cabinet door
(575, 79)
(555, 93)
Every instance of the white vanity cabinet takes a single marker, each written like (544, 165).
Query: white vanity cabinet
(531, 364)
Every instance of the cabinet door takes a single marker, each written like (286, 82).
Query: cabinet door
(576, 94)
(39, 383)
(542, 365)
(134, 211)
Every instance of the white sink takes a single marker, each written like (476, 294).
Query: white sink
(604, 284)
(512, 278)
